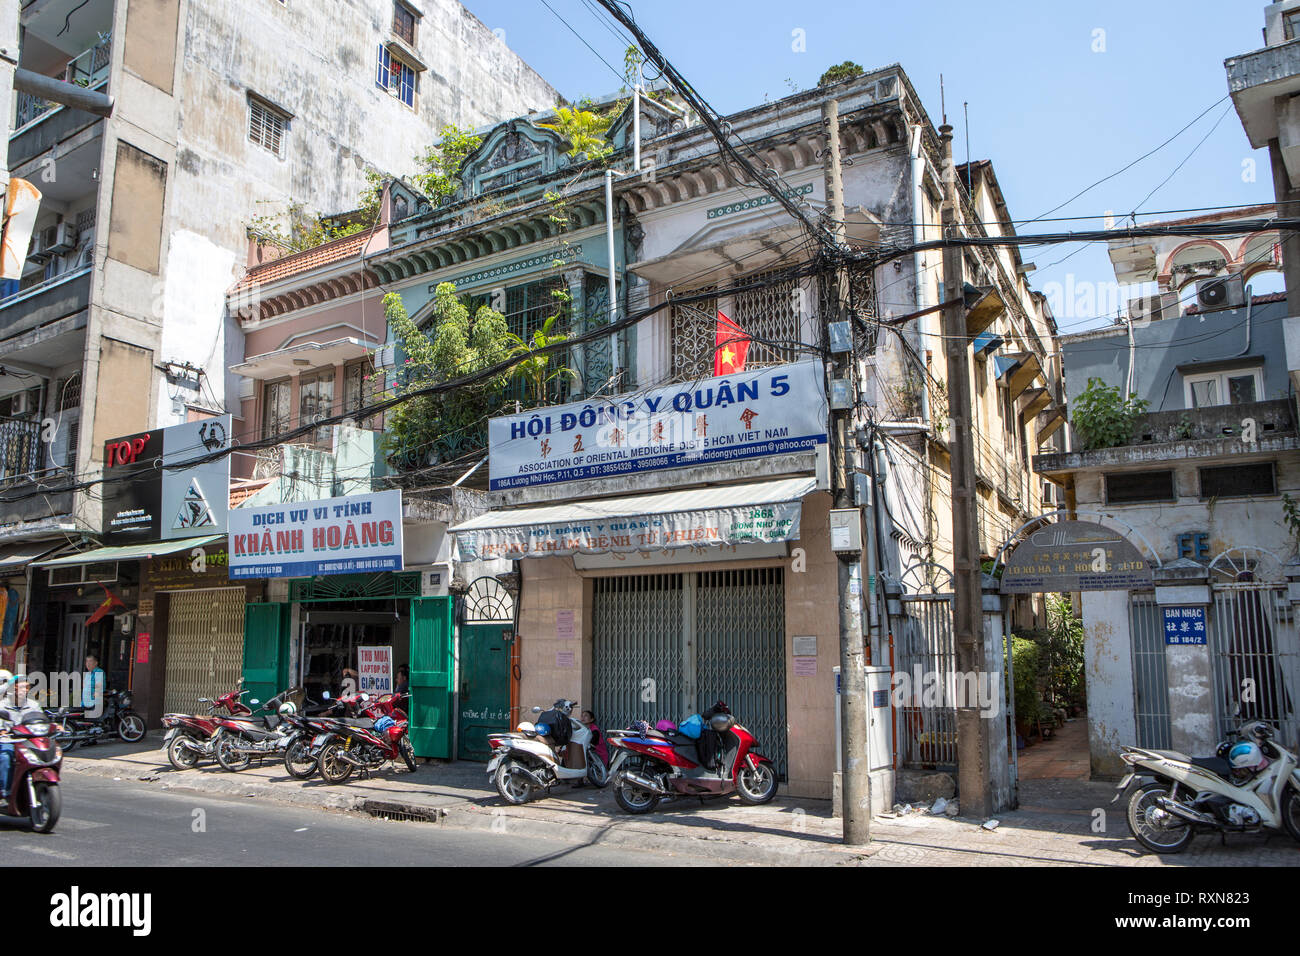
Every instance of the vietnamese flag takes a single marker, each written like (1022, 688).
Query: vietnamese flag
(732, 345)
(110, 601)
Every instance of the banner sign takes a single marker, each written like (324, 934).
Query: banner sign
(374, 670)
(347, 535)
(144, 500)
(767, 411)
(1075, 556)
(680, 529)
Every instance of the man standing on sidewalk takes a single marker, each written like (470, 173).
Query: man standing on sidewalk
(92, 685)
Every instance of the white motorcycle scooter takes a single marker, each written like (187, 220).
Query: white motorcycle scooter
(528, 762)
(1250, 784)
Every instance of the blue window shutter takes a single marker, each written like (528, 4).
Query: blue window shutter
(408, 85)
(381, 78)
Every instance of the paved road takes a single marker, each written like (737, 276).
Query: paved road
(123, 823)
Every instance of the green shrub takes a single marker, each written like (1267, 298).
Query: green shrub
(1103, 418)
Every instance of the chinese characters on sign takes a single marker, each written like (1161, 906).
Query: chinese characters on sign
(1075, 556)
(1184, 625)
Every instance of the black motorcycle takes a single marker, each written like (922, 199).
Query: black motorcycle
(115, 719)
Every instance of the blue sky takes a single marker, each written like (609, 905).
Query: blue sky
(1053, 113)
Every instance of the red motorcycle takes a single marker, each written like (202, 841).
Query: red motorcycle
(190, 737)
(364, 743)
(649, 765)
(33, 792)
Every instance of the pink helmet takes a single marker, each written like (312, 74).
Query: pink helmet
(665, 725)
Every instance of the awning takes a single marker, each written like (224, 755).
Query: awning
(764, 511)
(18, 556)
(130, 552)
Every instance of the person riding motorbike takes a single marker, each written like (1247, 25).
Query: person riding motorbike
(15, 709)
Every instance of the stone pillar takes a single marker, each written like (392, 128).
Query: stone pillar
(1002, 752)
(1188, 669)
(577, 325)
(1108, 667)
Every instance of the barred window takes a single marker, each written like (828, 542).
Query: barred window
(361, 387)
(396, 77)
(404, 23)
(69, 392)
(694, 335)
(316, 401)
(265, 127)
(275, 408)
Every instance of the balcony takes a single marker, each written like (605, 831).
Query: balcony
(22, 467)
(64, 296)
(1001, 471)
(1212, 432)
(40, 124)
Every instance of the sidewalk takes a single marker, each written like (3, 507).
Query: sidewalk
(1053, 826)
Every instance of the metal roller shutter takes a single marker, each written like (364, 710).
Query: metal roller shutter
(205, 646)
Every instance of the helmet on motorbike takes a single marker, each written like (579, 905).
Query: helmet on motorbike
(1259, 730)
(721, 722)
(1246, 756)
(287, 709)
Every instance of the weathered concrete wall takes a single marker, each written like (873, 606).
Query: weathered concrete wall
(1108, 669)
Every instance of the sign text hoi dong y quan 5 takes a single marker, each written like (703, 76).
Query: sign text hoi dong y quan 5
(767, 411)
(358, 533)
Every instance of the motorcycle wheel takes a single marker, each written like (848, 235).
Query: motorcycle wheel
(130, 727)
(634, 799)
(332, 767)
(408, 753)
(180, 756)
(298, 761)
(1148, 832)
(68, 746)
(597, 772)
(1291, 812)
(515, 789)
(758, 785)
(49, 804)
(229, 757)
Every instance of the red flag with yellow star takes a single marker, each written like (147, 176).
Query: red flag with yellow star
(110, 601)
(732, 345)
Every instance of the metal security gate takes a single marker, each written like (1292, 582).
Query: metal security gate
(1150, 679)
(205, 646)
(667, 645)
(740, 657)
(1255, 658)
(926, 656)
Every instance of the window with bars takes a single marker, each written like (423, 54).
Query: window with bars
(770, 314)
(361, 387)
(68, 395)
(266, 127)
(404, 23)
(396, 77)
(316, 401)
(70, 452)
(275, 408)
(527, 307)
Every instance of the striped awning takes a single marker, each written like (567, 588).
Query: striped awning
(129, 552)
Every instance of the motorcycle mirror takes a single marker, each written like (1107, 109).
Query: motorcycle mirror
(537, 710)
(254, 701)
(325, 696)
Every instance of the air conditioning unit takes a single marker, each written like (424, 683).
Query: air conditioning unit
(1221, 292)
(23, 403)
(38, 252)
(61, 238)
(1152, 307)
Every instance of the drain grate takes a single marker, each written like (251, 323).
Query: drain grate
(397, 811)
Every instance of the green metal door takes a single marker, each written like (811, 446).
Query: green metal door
(431, 667)
(266, 650)
(484, 687)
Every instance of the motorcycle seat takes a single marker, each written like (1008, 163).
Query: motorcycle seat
(362, 723)
(1216, 765)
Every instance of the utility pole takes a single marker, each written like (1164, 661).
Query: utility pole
(973, 777)
(855, 802)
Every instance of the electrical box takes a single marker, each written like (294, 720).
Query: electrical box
(861, 489)
(435, 580)
(841, 337)
(841, 397)
(846, 530)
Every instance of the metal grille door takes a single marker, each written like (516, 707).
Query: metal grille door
(926, 655)
(740, 651)
(1150, 679)
(637, 655)
(205, 646)
(1254, 650)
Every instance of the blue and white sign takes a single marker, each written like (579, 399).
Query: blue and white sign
(1184, 624)
(357, 533)
(753, 414)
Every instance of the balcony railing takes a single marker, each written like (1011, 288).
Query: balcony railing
(20, 450)
(88, 68)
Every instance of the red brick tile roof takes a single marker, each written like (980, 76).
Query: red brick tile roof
(335, 250)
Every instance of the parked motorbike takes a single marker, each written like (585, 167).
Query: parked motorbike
(189, 736)
(116, 719)
(649, 765)
(240, 740)
(1250, 784)
(299, 761)
(555, 748)
(33, 792)
(364, 743)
